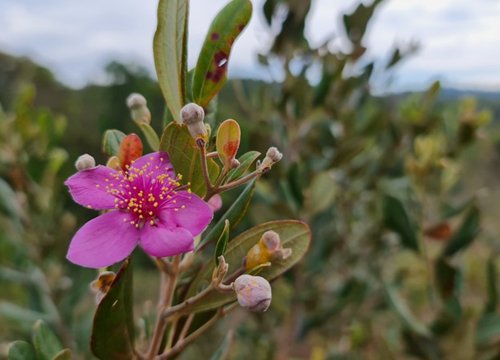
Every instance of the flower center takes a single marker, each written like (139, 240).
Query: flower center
(144, 192)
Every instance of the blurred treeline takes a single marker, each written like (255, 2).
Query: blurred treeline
(400, 192)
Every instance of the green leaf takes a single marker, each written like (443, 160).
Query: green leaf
(464, 236)
(293, 234)
(8, 201)
(234, 214)
(63, 355)
(211, 68)
(223, 350)
(111, 142)
(185, 157)
(220, 247)
(21, 350)
(488, 328)
(396, 303)
(151, 136)
(47, 345)
(170, 52)
(396, 218)
(246, 160)
(113, 328)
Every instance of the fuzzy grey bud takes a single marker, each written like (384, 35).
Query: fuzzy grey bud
(192, 116)
(84, 162)
(138, 108)
(235, 163)
(253, 292)
(271, 240)
(272, 157)
(274, 154)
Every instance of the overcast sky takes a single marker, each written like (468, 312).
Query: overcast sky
(460, 39)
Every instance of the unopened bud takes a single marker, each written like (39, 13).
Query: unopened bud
(253, 292)
(114, 163)
(235, 163)
(268, 249)
(84, 162)
(273, 155)
(215, 202)
(192, 116)
(102, 284)
(138, 108)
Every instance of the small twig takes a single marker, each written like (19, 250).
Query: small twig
(182, 343)
(186, 326)
(204, 166)
(241, 181)
(163, 265)
(212, 155)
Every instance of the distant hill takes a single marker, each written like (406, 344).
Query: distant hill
(95, 108)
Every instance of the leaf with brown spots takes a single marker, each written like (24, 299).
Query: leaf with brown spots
(211, 68)
(130, 150)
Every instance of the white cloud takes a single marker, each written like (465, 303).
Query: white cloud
(75, 39)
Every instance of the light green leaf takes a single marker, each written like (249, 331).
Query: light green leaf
(47, 345)
(21, 350)
(211, 68)
(113, 328)
(293, 234)
(63, 355)
(170, 52)
(185, 157)
(234, 214)
(246, 160)
(151, 136)
(111, 142)
(400, 308)
(223, 350)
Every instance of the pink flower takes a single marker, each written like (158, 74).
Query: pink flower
(149, 207)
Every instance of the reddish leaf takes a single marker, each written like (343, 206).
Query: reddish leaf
(130, 150)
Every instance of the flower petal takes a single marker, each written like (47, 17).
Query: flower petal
(161, 240)
(91, 187)
(103, 241)
(194, 217)
(157, 163)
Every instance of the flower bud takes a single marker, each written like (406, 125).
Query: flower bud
(268, 249)
(273, 155)
(102, 284)
(192, 116)
(138, 108)
(114, 163)
(235, 163)
(253, 292)
(84, 162)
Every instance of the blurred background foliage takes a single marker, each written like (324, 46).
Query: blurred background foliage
(401, 192)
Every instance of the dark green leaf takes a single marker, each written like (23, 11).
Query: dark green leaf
(170, 52)
(492, 278)
(464, 236)
(21, 350)
(356, 23)
(211, 68)
(234, 214)
(185, 157)
(111, 142)
(113, 328)
(294, 234)
(47, 345)
(220, 247)
(246, 160)
(396, 218)
(447, 278)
